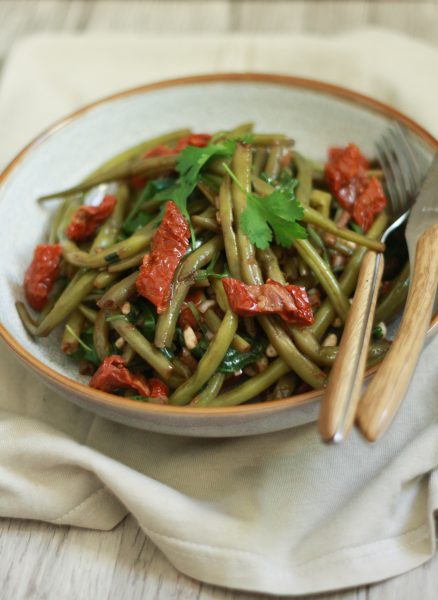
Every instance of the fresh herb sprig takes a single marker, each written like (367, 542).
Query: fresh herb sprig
(275, 215)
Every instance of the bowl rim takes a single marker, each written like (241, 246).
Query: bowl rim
(111, 401)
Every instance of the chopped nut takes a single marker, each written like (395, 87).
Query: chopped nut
(218, 217)
(270, 351)
(209, 335)
(126, 308)
(330, 340)
(204, 306)
(190, 339)
(337, 322)
(238, 373)
(119, 343)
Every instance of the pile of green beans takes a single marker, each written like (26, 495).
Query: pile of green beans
(224, 360)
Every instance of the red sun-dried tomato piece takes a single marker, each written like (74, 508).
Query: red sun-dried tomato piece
(347, 178)
(87, 219)
(158, 389)
(370, 202)
(200, 140)
(168, 246)
(290, 302)
(113, 375)
(42, 274)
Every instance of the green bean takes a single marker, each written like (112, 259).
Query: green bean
(325, 276)
(226, 216)
(207, 192)
(304, 176)
(167, 321)
(67, 302)
(347, 281)
(241, 130)
(127, 156)
(272, 167)
(117, 252)
(89, 313)
(213, 323)
(210, 361)
(101, 335)
(376, 351)
(128, 354)
(287, 350)
(108, 231)
(72, 332)
(128, 263)
(204, 223)
(104, 279)
(183, 280)
(251, 388)
(271, 139)
(251, 273)
(143, 347)
(395, 299)
(315, 218)
(119, 293)
(58, 287)
(56, 222)
(25, 318)
(148, 167)
(241, 166)
(210, 391)
(270, 265)
(322, 200)
(285, 386)
(259, 161)
(262, 187)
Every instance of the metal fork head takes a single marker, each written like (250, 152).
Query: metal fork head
(403, 175)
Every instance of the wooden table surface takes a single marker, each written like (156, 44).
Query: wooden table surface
(40, 561)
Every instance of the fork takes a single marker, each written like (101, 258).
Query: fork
(403, 178)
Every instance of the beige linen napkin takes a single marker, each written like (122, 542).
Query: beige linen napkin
(278, 513)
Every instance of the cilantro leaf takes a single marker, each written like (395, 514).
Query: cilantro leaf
(275, 215)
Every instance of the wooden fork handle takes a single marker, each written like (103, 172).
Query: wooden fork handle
(339, 404)
(384, 394)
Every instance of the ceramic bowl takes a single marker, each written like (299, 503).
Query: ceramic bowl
(316, 115)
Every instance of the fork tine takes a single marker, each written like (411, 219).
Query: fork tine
(408, 156)
(389, 177)
(407, 164)
(402, 182)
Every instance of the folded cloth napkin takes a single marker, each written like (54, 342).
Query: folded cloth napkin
(279, 513)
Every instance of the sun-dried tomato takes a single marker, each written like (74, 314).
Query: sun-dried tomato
(347, 178)
(113, 375)
(200, 140)
(42, 274)
(87, 219)
(158, 389)
(369, 203)
(168, 246)
(186, 317)
(194, 139)
(161, 150)
(290, 302)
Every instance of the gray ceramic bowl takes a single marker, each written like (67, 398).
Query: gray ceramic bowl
(315, 114)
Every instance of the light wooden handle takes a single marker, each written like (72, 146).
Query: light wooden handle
(385, 393)
(338, 407)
